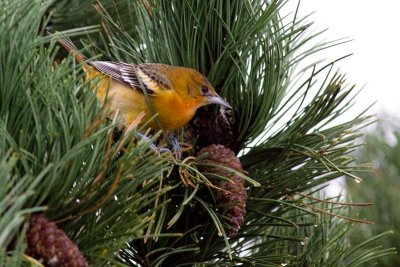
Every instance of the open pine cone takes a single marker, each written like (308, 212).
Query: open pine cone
(212, 128)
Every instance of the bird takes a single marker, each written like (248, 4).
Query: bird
(175, 93)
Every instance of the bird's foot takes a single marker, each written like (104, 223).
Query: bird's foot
(176, 147)
(152, 146)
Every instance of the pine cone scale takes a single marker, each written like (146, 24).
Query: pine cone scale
(50, 244)
(233, 194)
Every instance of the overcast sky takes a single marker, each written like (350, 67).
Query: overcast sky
(374, 27)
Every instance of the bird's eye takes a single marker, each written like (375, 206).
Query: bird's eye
(204, 89)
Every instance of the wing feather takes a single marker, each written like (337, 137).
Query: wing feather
(122, 72)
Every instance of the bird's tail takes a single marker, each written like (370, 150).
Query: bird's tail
(71, 48)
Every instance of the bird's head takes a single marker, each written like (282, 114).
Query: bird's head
(194, 86)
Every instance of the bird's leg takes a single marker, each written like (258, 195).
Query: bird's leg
(150, 143)
(176, 148)
(143, 137)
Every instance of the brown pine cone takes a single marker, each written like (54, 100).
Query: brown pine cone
(233, 194)
(215, 128)
(189, 139)
(50, 245)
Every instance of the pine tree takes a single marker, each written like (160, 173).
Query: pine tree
(380, 186)
(247, 193)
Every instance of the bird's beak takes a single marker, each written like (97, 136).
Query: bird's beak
(216, 99)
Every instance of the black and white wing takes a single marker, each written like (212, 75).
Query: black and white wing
(122, 72)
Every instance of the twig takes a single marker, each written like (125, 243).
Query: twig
(147, 6)
(332, 214)
(130, 128)
(334, 202)
(337, 215)
(184, 174)
(99, 119)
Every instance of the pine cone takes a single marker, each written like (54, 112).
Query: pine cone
(234, 195)
(189, 139)
(215, 128)
(50, 245)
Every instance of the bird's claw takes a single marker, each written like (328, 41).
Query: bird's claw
(176, 148)
(144, 138)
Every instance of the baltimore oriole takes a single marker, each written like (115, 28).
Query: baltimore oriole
(174, 92)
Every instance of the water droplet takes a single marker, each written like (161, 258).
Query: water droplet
(304, 241)
(116, 198)
(357, 180)
(284, 262)
(78, 200)
(201, 237)
(316, 225)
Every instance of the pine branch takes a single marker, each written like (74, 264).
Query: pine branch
(125, 205)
